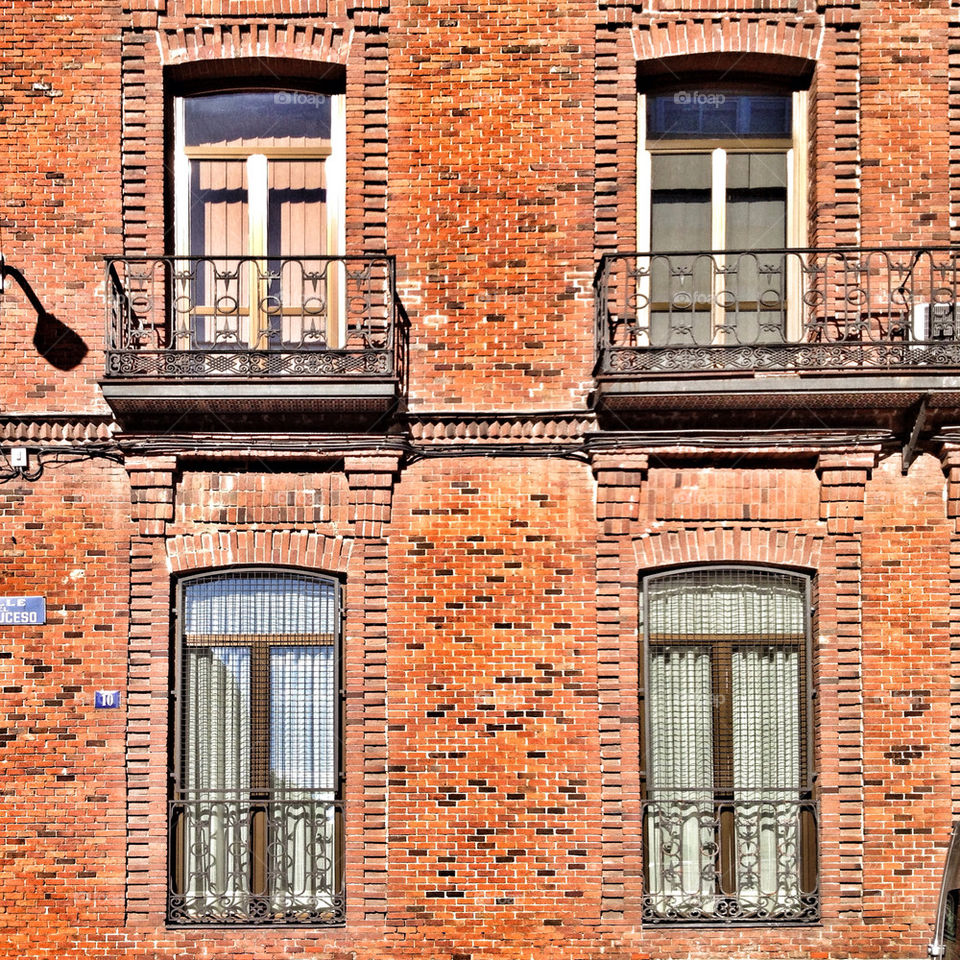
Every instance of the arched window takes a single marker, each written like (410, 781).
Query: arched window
(256, 814)
(729, 814)
(259, 188)
(722, 195)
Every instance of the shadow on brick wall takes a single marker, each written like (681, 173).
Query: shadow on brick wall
(54, 340)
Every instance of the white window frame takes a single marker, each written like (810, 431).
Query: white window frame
(257, 159)
(796, 151)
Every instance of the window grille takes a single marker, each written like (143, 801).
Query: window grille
(256, 816)
(729, 823)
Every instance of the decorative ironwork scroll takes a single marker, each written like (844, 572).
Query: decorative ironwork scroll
(810, 309)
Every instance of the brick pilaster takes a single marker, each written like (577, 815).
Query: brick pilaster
(151, 495)
(619, 480)
(950, 459)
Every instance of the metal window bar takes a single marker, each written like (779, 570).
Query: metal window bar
(256, 815)
(729, 811)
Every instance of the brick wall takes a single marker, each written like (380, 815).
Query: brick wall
(491, 534)
(59, 206)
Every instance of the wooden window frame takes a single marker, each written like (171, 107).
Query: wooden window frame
(720, 647)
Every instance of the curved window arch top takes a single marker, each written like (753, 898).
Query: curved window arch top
(259, 199)
(727, 600)
(260, 602)
(729, 811)
(256, 812)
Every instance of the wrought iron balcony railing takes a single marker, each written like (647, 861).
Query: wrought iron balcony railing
(778, 310)
(301, 317)
(749, 858)
(239, 860)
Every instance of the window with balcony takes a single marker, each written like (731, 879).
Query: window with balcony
(729, 824)
(255, 309)
(256, 815)
(721, 197)
(258, 208)
(721, 280)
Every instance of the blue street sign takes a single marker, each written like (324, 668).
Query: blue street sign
(25, 611)
(106, 699)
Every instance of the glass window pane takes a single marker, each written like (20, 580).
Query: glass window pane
(256, 117)
(718, 114)
(296, 198)
(756, 201)
(680, 202)
(302, 694)
(216, 692)
(219, 208)
(299, 293)
(680, 219)
(219, 226)
(766, 717)
(681, 728)
(754, 286)
(727, 602)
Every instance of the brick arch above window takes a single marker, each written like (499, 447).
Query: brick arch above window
(782, 548)
(342, 57)
(686, 41)
(296, 548)
(254, 42)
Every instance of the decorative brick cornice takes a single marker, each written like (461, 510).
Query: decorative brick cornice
(484, 428)
(58, 431)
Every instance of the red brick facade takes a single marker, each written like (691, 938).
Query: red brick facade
(491, 526)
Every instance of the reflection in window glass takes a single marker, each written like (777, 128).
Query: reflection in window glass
(717, 114)
(280, 114)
